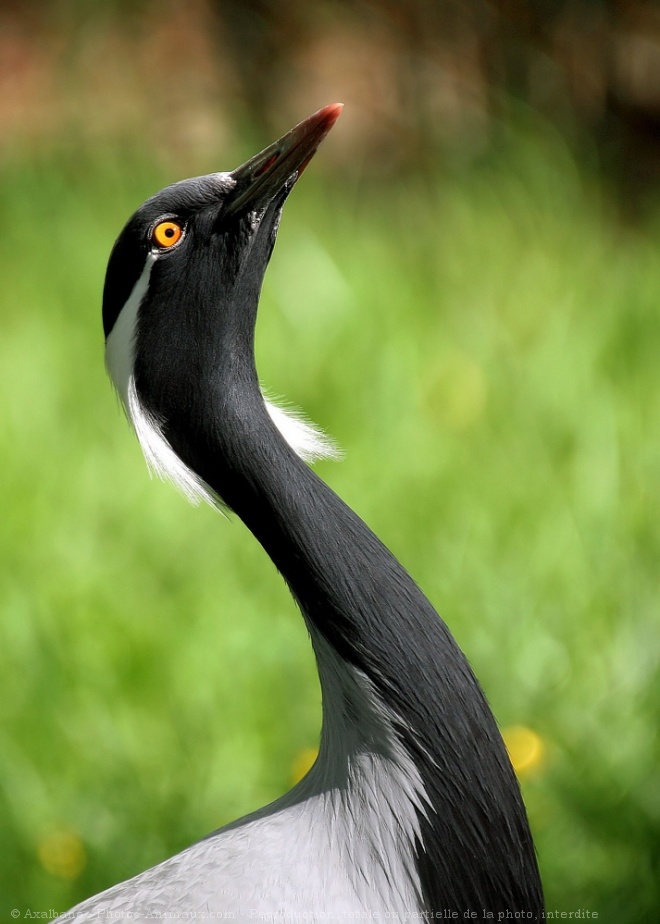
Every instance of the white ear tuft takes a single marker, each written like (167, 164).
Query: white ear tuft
(161, 458)
(304, 437)
(119, 357)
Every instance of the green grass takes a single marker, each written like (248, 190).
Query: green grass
(485, 348)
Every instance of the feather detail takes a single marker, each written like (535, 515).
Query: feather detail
(306, 439)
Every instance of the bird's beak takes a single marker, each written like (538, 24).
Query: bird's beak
(259, 179)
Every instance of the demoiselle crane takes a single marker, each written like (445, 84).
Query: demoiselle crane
(412, 809)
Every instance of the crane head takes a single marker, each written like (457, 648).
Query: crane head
(181, 294)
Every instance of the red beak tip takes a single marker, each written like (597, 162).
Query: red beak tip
(332, 112)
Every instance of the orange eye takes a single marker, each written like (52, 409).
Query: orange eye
(167, 234)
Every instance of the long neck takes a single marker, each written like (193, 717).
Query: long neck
(476, 850)
(349, 586)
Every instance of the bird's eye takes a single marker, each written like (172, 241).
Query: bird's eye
(166, 234)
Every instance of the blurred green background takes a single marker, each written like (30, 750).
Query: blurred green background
(464, 293)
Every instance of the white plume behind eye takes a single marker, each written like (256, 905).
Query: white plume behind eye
(160, 457)
(307, 440)
(120, 343)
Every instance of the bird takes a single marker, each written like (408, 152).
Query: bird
(411, 808)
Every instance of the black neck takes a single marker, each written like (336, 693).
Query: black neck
(477, 852)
